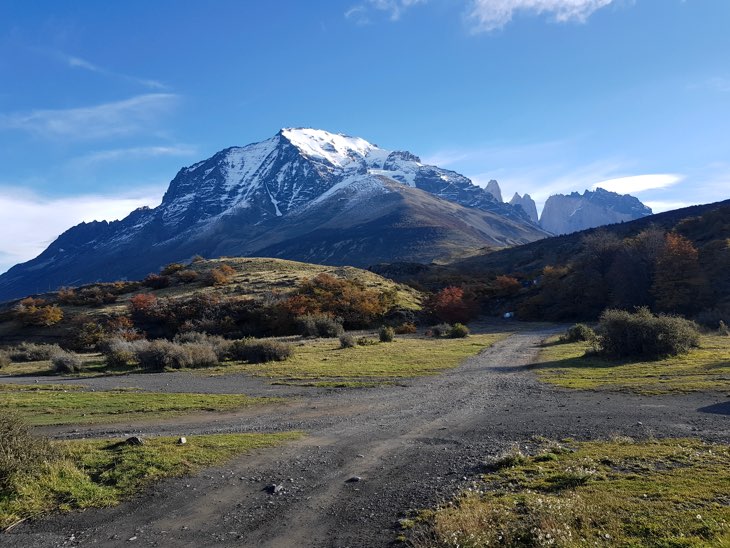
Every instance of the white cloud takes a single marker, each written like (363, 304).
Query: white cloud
(30, 222)
(133, 153)
(640, 183)
(393, 8)
(489, 15)
(133, 115)
(77, 62)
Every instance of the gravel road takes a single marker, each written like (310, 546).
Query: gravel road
(412, 447)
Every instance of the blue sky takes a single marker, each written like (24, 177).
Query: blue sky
(101, 103)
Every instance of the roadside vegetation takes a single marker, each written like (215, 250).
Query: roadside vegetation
(605, 493)
(38, 476)
(640, 352)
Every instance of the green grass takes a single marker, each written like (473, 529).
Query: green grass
(49, 404)
(101, 473)
(325, 361)
(669, 493)
(705, 368)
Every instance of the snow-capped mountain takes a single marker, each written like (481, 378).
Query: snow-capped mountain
(564, 214)
(303, 194)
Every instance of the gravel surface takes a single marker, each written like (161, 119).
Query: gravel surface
(411, 447)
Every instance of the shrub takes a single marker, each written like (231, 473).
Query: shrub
(66, 362)
(723, 329)
(578, 332)
(187, 276)
(220, 346)
(90, 335)
(386, 334)
(156, 281)
(643, 334)
(458, 331)
(712, 317)
(21, 452)
(320, 325)
(218, 276)
(256, 351)
(119, 352)
(441, 330)
(347, 341)
(172, 268)
(31, 352)
(4, 359)
(406, 328)
(35, 312)
(366, 341)
(161, 354)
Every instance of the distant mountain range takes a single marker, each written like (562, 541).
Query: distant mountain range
(304, 194)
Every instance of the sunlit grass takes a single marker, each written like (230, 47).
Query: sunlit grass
(101, 473)
(613, 493)
(705, 368)
(52, 404)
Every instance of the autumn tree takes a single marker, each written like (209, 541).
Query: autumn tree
(679, 283)
(450, 305)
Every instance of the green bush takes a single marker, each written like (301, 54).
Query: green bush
(458, 331)
(256, 351)
(21, 452)
(365, 341)
(320, 325)
(31, 352)
(347, 341)
(4, 359)
(66, 362)
(386, 334)
(645, 335)
(578, 332)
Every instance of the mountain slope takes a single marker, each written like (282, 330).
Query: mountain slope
(303, 194)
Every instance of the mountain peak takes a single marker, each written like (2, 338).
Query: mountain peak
(336, 148)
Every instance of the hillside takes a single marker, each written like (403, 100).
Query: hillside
(577, 275)
(250, 281)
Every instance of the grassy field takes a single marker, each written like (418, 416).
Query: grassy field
(324, 360)
(705, 368)
(56, 404)
(101, 473)
(669, 493)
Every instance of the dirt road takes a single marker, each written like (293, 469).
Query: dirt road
(412, 447)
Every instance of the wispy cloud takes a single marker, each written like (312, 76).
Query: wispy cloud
(30, 221)
(640, 183)
(490, 15)
(75, 62)
(134, 153)
(115, 119)
(394, 9)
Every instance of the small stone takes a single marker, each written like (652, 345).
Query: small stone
(182, 440)
(353, 479)
(131, 539)
(275, 488)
